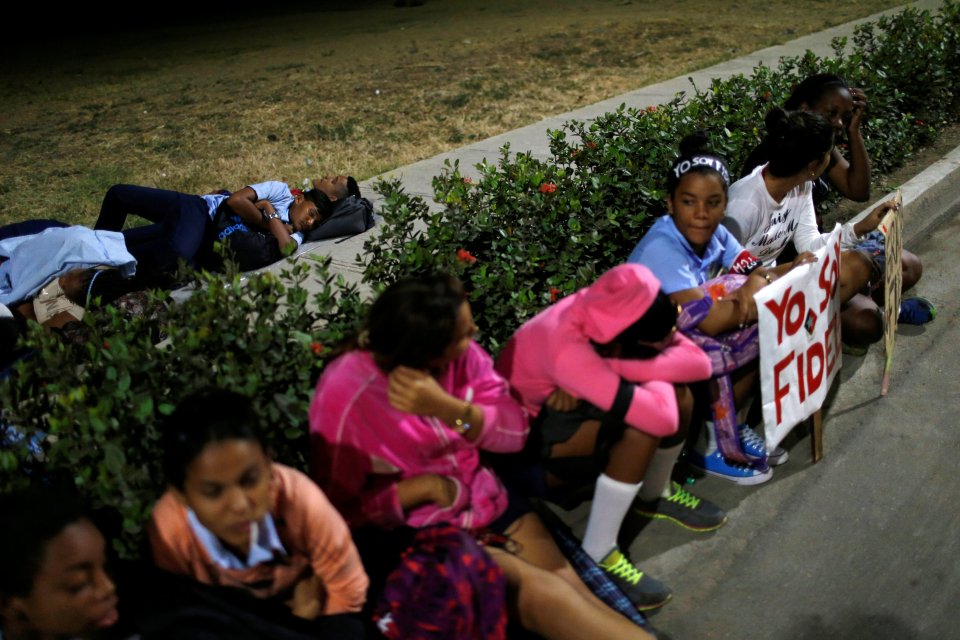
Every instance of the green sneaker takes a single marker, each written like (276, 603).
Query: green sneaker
(643, 591)
(683, 508)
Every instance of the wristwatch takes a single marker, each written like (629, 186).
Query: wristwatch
(267, 217)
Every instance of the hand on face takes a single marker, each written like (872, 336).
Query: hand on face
(414, 391)
(859, 106)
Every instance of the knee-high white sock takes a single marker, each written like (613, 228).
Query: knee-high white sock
(611, 499)
(656, 482)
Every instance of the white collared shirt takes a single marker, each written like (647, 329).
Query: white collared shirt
(264, 543)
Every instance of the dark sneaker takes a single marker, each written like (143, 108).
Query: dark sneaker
(643, 591)
(854, 349)
(684, 509)
(916, 311)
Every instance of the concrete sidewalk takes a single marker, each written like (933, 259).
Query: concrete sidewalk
(417, 178)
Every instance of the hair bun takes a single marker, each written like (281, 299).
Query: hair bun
(775, 121)
(696, 142)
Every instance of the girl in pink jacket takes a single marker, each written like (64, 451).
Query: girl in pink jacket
(397, 424)
(603, 372)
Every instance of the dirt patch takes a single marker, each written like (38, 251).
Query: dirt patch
(224, 103)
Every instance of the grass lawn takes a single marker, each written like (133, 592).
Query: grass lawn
(227, 102)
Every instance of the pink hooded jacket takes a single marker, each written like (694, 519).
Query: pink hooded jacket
(362, 446)
(554, 350)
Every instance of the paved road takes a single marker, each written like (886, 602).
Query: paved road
(865, 544)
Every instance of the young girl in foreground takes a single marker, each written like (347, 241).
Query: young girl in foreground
(232, 518)
(687, 250)
(398, 425)
(54, 582)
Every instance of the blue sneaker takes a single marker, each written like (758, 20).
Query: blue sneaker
(755, 447)
(715, 464)
(752, 445)
(916, 310)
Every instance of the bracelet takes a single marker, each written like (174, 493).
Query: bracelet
(462, 425)
(766, 276)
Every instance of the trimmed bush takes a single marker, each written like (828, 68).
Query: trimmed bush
(530, 230)
(96, 403)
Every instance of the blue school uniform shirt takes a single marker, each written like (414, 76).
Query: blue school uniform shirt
(673, 261)
(276, 193)
(35, 259)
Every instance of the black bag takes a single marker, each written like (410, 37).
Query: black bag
(351, 215)
(249, 248)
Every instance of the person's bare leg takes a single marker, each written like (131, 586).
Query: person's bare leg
(548, 596)
(861, 322)
(912, 269)
(855, 272)
(616, 487)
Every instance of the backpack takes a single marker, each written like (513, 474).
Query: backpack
(351, 215)
(446, 587)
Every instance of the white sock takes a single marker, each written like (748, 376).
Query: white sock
(707, 442)
(611, 499)
(656, 482)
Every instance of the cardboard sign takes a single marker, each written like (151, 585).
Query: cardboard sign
(800, 349)
(892, 227)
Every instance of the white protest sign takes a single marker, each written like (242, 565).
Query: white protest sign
(800, 349)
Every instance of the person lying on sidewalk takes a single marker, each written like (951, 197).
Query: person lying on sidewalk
(603, 372)
(260, 223)
(703, 268)
(398, 423)
(773, 206)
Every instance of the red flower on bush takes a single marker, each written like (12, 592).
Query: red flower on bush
(465, 256)
(766, 96)
(548, 187)
(920, 123)
(590, 144)
(316, 347)
(651, 109)
(106, 345)
(554, 292)
(467, 180)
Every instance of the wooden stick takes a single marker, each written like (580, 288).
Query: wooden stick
(816, 436)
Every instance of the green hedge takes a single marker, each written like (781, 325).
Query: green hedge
(526, 232)
(99, 402)
(529, 243)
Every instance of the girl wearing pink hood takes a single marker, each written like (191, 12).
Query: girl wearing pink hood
(603, 373)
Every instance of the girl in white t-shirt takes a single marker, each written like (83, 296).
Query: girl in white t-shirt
(773, 205)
